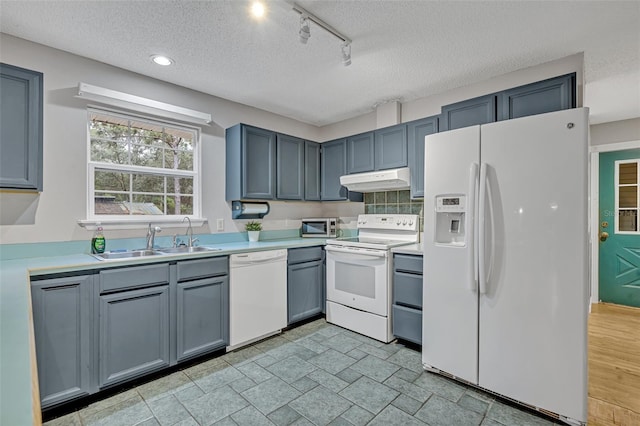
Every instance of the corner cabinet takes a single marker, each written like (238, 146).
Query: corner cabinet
(62, 318)
(202, 313)
(333, 164)
(21, 99)
(251, 163)
(312, 179)
(407, 297)
(305, 283)
(416, 131)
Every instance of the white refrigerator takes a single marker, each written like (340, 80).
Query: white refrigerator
(506, 255)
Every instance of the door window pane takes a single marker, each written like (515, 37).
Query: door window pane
(628, 173)
(628, 220)
(628, 196)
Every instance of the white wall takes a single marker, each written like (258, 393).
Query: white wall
(615, 131)
(52, 215)
(428, 106)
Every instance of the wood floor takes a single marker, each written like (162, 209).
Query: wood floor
(614, 365)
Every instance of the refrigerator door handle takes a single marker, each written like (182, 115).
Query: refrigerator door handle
(472, 263)
(482, 278)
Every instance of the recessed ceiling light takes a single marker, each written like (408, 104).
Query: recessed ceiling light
(162, 60)
(257, 9)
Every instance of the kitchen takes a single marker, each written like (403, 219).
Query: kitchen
(52, 216)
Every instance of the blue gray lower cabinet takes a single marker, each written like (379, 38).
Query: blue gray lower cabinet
(305, 283)
(109, 326)
(62, 318)
(202, 313)
(407, 297)
(134, 334)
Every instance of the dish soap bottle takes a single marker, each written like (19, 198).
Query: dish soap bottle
(98, 242)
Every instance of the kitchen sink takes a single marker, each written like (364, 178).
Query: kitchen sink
(126, 254)
(186, 249)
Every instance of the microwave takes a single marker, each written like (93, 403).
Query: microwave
(319, 227)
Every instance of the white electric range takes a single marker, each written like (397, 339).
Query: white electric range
(359, 273)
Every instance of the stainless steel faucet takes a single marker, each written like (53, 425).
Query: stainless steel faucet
(151, 235)
(190, 240)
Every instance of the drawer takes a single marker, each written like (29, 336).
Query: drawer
(135, 276)
(304, 254)
(407, 289)
(202, 268)
(407, 263)
(407, 324)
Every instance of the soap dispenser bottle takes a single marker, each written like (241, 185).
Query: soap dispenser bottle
(98, 242)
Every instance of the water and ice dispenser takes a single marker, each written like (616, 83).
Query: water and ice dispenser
(450, 220)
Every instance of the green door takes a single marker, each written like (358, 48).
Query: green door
(619, 278)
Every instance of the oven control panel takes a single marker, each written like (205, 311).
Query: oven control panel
(404, 222)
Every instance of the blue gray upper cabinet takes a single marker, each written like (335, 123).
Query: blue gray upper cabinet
(311, 171)
(416, 131)
(333, 165)
(480, 110)
(251, 163)
(21, 128)
(541, 97)
(360, 155)
(289, 167)
(391, 147)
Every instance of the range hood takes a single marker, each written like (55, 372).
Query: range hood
(382, 180)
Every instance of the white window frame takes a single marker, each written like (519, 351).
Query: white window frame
(617, 185)
(140, 221)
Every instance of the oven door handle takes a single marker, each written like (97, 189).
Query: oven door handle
(356, 251)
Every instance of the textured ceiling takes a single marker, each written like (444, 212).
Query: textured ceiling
(401, 49)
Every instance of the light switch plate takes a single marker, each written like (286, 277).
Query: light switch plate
(220, 225)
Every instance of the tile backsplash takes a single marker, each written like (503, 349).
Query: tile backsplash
(393, 202)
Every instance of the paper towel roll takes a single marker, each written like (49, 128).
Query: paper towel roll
(254, 208)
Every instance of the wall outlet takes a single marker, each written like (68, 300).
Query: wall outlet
(220, 225)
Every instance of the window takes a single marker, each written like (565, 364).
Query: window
(141, 168)
(626, 198)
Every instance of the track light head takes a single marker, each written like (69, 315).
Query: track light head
(304, 32)
(346, 54)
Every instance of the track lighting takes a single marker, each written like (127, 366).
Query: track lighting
(346, 54)
(304, 32)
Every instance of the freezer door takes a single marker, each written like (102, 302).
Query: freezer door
(450, 295)
(533, 316)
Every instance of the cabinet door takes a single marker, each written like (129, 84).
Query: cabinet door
(311, 171)
(391, 147)
(304, 290)
(416, 131)
(21, 129)
(360, 153)
(134, 334)
(290, 168)
(258, 163)
(479, 110)
(202, 316)
(333, 165)
(554, 94)
(62, 318)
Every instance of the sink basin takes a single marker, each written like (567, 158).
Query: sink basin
(186, 249)
(126, 254)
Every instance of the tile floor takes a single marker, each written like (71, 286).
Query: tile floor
(315, 374)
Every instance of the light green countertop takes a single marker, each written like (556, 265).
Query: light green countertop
(19, 400)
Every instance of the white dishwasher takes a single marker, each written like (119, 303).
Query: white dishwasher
(257, 296)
